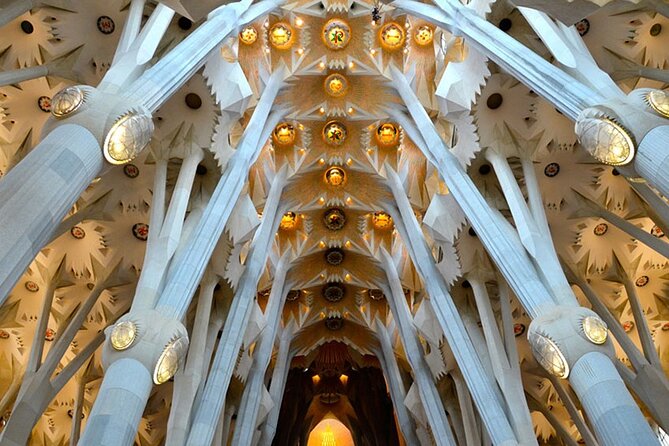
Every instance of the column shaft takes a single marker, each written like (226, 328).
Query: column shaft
(37, 193)
(616, 418)
(277, 387)
(127, 385)
(652, 159)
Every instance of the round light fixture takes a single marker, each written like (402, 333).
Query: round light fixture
(123, 335)
(336, 34)
(382, 221)
(387, 135)
(334, 256)
(548, 355)
(659, 101)
(606, 141)
(281, 36)
(392, 36)
(67, 101)
(284, 134)
(288, 221)
(168, 362)
(335, 176)
(336, 85)
(424, 35)
(127, 138)
(334, 323)
(595, 329)
(248, 35)
(334, 133)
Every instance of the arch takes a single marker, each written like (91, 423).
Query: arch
(329, 429)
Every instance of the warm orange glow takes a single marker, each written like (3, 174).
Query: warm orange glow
(343, 379)
(335, 176)
(391, 36)
(284, 134)
(424, 35)
(334, 133)
(281, 36)
(336, 85)
(248, 35)
(382, 221)
(387, 135)
(332, 430)
(288, 221)
(315, 379)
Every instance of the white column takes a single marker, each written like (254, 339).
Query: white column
(615, 416)
(14, 8)
(278, 385)
(37, 194)
(652, 159)
(215, 390)
(397, 390)
(429, 396)
(247, 416)
(119, 405)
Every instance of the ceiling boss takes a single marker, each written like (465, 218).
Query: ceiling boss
(336, 34)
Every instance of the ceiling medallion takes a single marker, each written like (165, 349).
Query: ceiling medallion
(600, 229)
(66, 101)
(392, 36)
(376, 294)
(131, 171)
(333, 292)
(248, 35)
(334, 133)
(424, 35)
(335, 176)
(382, 221)
(628, 326)
(77, 232)
(334, 219)
(288, 221)
(293, 295)
(334, 323)
(642, 281)
(31, 286)
(140, 231)
(656, 231)
(518, 329)
(281, 36)
(336, 34)
(44, 103)
(106, 24)
(49, 334)
(334, 256)
(582, 26)
(387, 135)
(4, 334)
(551, 169)
(284, 134)
(336, 85)
(329, 398)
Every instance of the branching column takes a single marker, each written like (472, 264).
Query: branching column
(247, 416)
(556, 323)
(59, 168)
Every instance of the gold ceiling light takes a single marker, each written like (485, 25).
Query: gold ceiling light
(281, 36)
(129, 135)
(387, 135)
(334, 219)
(248, 35)
(284, 134)
(169, 360)
(336, 85)
(382, 221)
(336, 34)
(392, 36)
(424, 35)
(335, 176)
(334, 133)
(288, 221)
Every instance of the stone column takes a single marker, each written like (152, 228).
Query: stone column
(247, 416)
(127, 385)
(36, 195)
(652, 158)
(14, 8)
(429, 396)
(572, 342)
(397, 390)
(278, 385)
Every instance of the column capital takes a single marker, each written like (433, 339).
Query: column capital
(122, 126)
(560, 337)
(158, 342)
